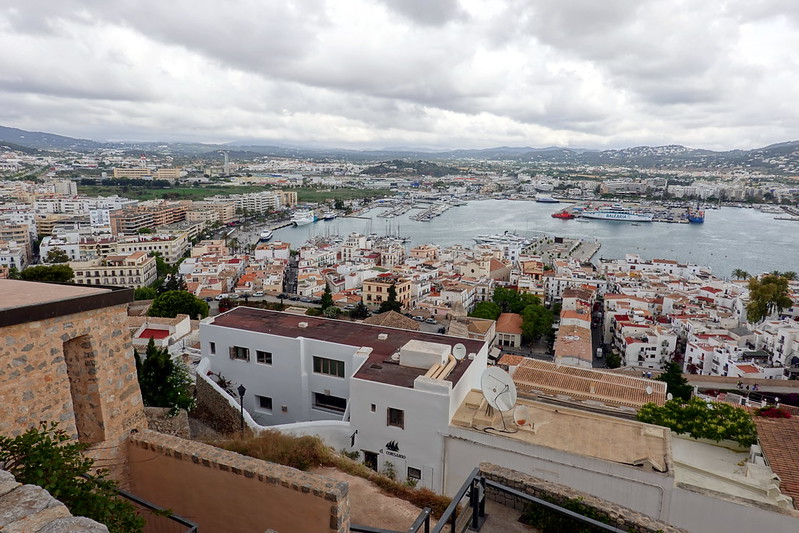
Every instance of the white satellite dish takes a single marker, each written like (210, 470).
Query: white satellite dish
(648, 389)
(498, 389)
(459, 351)
(669, 396)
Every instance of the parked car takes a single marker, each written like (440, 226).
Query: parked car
(221, 296)
(282, 295)
(419, 318)
(258, 294)
(349, 307)
(431, 320)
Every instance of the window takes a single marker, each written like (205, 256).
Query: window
(414, 473)
(213, 348)
(239, 352)
(332, 403)
(374, 408)
(330, 367)
(264, 402)
(395, 417)
(265, 358)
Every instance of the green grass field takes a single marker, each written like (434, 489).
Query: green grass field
(304, 194)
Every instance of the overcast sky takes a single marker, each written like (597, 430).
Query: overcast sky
(413, 73)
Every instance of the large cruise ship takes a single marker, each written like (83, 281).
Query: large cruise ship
(302, 217)
(617, 213)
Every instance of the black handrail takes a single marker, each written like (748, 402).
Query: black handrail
(160, 512)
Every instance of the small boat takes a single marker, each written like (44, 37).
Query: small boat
(329, 215)
(565, 215)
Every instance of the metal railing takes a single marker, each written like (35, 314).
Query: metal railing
(157, 519)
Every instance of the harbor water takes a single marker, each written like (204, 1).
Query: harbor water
(729, 238)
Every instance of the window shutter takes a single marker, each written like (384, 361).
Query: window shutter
(232, 352)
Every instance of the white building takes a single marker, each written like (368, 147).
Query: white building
(399, 389)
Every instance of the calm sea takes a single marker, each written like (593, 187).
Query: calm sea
(730, 237)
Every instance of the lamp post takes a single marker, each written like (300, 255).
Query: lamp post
(242, 390)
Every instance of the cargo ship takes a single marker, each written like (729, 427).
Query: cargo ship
(696, 216)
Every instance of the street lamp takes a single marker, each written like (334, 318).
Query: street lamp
(242, 390)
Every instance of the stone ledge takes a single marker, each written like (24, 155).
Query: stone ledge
(627, 518)
(30, 508)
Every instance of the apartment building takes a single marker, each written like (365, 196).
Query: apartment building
(375, 290)
(135, 270)
(171, 247)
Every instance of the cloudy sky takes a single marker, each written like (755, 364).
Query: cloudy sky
(414, 73)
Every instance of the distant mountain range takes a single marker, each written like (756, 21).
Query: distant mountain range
(782, 158)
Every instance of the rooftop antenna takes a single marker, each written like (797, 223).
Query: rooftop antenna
(499, 391)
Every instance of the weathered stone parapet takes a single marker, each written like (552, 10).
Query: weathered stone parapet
(158, 419)
(620, 517)
(31, 509)
(183, 466)
(214, 410)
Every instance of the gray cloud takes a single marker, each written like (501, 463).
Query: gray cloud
(387, 72)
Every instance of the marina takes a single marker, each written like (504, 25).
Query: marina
(729, 238)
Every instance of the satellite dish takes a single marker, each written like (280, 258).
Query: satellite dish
(669, 396)
(459, 351)
(521, 415)
(498, 389)
(648, 389)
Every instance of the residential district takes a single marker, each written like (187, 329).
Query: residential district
(413, 360)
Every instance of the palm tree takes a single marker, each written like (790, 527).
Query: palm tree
(740, 274)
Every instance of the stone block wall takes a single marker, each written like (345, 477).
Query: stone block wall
(77, 370)
(214, 409)
(221, 490)
(31, 509)
(621, 517)
(158, 419)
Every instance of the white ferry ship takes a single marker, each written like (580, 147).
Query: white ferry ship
(265, 236)
(617, 213)
(302, 217)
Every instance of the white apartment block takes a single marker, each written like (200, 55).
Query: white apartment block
(134, 270)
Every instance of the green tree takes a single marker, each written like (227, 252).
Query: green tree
(327, 298)
(790, 275)
(488, 310)
(391, 303)
(360, 311)
(613, 360)
(163, 382)
(144, 293)
(173, 282)
(701, 420)
(52, 274)
(172, 303)
(56, 255)
(162, 268)
(675, 382)
(739, 273)
(47, 457)
(766, 296)
(331, 312)
(144, 231)
(536, 322)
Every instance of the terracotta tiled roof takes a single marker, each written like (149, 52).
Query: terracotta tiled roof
(392, 319)
(579, 383)
(509, 323)
(779, 439)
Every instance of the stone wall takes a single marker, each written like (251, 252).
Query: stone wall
(158, 419)
(620, 517)
(78, 370)
(31, 509)
(225, 491)
(214, 409)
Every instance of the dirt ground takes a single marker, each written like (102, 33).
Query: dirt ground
(371, 507)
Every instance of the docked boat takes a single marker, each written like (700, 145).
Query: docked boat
(565, 215)
(546, 199)
(265, 236)
(617, 213)
(696, 216)
(302, 217)
(329, 215)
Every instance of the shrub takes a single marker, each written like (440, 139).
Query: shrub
(47, 457)
(714, 421)
(548, 521)
(772, 411)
